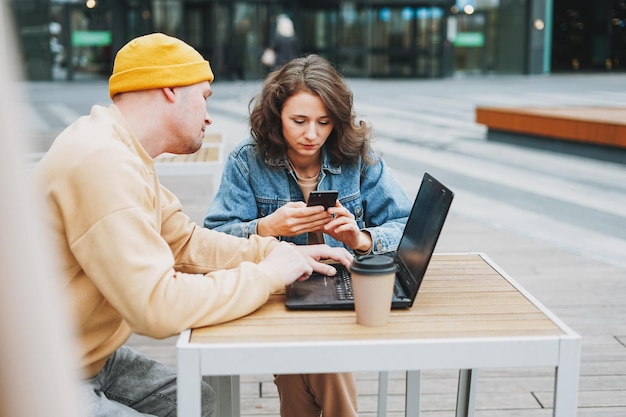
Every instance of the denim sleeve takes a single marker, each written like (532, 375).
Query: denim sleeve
(386, 207)
(233, 210)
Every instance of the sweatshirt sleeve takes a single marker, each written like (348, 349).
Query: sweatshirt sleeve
(161, 272)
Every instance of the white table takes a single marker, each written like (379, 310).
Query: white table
(468, 315)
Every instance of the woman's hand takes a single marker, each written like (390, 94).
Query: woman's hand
(343, 227)
(293, 219)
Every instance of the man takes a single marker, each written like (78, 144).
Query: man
(130, 259)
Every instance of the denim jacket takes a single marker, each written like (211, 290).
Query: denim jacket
(252, 188)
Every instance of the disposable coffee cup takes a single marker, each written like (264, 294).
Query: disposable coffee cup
(373, 279)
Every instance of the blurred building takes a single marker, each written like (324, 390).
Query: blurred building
(365, 38)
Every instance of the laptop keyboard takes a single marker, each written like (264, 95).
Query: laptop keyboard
(343, 284)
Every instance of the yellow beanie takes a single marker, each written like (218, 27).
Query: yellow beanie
(156, 61)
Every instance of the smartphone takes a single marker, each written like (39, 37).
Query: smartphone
(323, 198)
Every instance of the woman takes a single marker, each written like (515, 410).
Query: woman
(305, 137)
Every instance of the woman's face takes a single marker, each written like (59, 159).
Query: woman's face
(306, 125)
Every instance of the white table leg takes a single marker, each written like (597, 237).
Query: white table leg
(383, 390)
(227, 395)
(413, 394)
(566, 379)
(188, 388)
(466, 394)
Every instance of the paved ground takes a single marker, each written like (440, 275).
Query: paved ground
(555, 221)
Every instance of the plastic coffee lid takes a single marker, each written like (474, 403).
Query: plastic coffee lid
(373, 265)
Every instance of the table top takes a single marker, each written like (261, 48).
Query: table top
(462, 296)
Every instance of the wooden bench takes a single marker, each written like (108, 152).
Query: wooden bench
(208, 160)
(602, 126)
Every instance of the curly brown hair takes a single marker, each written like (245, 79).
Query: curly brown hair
(350, 137)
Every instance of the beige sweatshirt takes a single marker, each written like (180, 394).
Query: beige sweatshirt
(130, 259)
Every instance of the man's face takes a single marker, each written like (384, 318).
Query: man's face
(191, 117)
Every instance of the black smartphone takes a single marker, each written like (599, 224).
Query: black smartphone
(325, 198)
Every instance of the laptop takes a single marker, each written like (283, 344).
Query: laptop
(422, 230)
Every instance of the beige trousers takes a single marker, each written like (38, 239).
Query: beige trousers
(315, 395)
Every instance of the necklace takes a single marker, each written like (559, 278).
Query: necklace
(301, 178)
(305, 180)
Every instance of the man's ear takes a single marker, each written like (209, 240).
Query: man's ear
(169, 93)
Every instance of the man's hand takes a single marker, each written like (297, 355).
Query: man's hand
(292, 264)
(299, 262)
(317, 253)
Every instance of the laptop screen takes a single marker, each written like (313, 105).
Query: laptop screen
(422, 231)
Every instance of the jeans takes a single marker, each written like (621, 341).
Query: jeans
(132, 385)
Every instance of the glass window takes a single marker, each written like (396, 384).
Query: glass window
(167, 16)
(470, 43)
